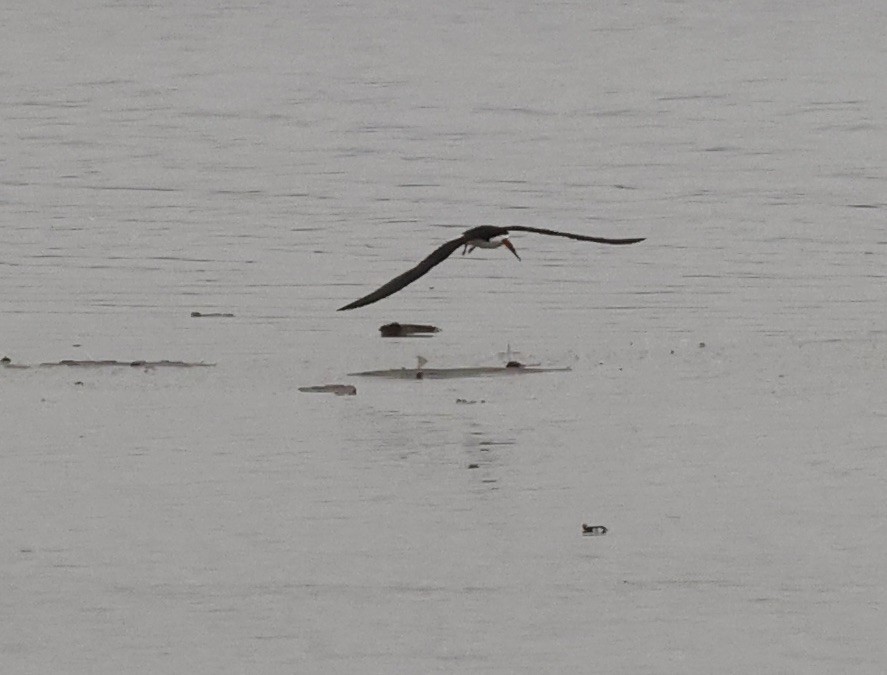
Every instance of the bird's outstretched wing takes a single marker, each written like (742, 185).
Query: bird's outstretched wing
(437, 256)
(570, 235)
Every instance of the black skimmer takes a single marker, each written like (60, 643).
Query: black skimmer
(484, 236)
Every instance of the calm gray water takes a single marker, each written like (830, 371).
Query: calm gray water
(726, 412)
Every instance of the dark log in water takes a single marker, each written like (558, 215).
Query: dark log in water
(407, 330)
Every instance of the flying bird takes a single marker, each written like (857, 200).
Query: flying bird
(483, 236)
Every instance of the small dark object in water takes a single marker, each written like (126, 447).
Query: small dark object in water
(514, 364)
(701, 345)
(79, 383)
(211, 315)
(5, 360)
(593, 529)
(337, 389)
(419, 375)
(474, 466)
(406, 329)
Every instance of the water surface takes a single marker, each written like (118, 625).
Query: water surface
(724, 415)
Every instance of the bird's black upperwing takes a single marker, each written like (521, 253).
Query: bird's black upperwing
(438, 256)
(580, 237)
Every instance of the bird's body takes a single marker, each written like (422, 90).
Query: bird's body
(482, 236)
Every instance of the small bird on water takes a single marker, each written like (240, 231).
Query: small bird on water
(483, 236)
(593, 529)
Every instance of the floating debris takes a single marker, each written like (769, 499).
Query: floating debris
(211, 315)
(6, 362)
(594, 530)
(420, 372)
(337, 389)
(407, 330)
(131, 364)
(446, 373)
(474, 466)
(466, 401)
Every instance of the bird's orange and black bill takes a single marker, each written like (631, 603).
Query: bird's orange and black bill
(507, 243)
